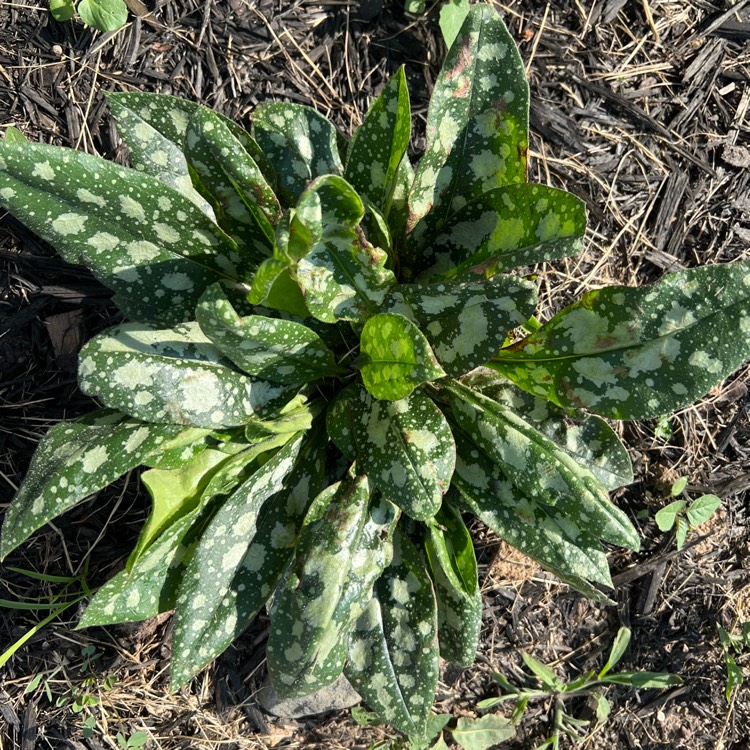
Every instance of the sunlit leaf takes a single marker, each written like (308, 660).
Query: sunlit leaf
(104, 15)
(483, 733)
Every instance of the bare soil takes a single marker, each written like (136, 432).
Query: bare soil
(641, 109)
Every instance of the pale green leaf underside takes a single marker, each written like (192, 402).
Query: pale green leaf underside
(477, 126)
(393, 652)
(633, 353)
(173, 376)
(143, 240)
(74, 460)
(397, 357)
(406, 447)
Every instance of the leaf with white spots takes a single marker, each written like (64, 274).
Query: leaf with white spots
(300, 144)
(74, 460)
(281, 351)
(143, 240)
(209, 630)
(244, 203)
(515, 225)
(343, 546)
(379, 144)
(477, 126)
(585, 437)
(174, 376)
(397, 357)
(466, 323)
(453, 568)
(539, 530)
(634, 353)
(393, 649)
(405, 447)
(538, 468)
(341, 275)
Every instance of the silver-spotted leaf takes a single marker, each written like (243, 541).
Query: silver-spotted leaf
(74, 460)
(221, 550)
(378, 145)
(393, 650)
(466, 323)
(174, 376)
(228, 177)
(341, 275)
(397, 357)
(477, 126)
(537, 468)
(538, 530)
(515, 225)
(305, 649)
(269, 550)
(453, 568)
(281, 351)
(300, 144)
(632, 353)
(405, 447)
(143, 240)
(585, 437)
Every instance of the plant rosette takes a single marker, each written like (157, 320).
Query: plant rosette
(319, 374)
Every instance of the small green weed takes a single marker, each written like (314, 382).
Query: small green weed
(683, 515)
(590, 685)
(103, 15)
(738, 644)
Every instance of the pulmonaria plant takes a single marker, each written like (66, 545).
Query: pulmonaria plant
(320, 372)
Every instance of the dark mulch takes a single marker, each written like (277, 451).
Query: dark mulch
(641, 109)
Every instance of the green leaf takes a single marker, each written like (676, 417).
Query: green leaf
(74, 460)
(342, 276)
(549, 679)
(14, 136)
(230, 543)
(603, 708)
(104, 15)
(452, 16)
(274, 287)
(484, 732)
(405, 447)
(300, 144)
(477, 126)
(61, 10)
(665, 518)
(393, 653)
(296, 416)
(644, 680)
(619, 647)
(511, 226)
(701, 509)
(146, 242)
(244, 202)
(378, 145)
(453, 568)
(681, 531)
(466, 323)
(632, 353)
(268, 348)
(329, 584)
(268, 552)
(540, 531)
(397, 357)
(679, 487)
(174, 376)
(537, 468)
(174, 493)
(585, 437)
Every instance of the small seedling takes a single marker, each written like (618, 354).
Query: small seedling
(103, 15)
(133, 741)
(684, 516)
(590, 685)
(738, 644)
